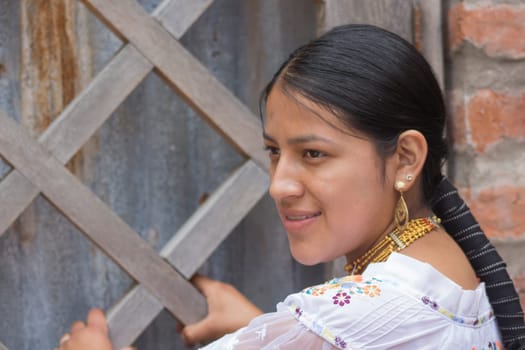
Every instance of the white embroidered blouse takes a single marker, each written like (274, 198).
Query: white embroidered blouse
(399, 304)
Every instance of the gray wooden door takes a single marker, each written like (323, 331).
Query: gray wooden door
(101, 137)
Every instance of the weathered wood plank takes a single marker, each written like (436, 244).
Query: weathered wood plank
(212, 100)
(191, 246)
(99, 223)
(207, 228)
(396, 16)
(178, 15)
(86, 113)
(432, 36)
(393, 15)
(128, 318)
(90, 109)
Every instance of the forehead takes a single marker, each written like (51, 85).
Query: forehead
(286, 108)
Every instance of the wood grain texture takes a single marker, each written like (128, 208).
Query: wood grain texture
(210, 225)
(178, 15)
(128, 318)
(393, 15)
(91, 108)
(253, 38)
(396, 16)
(99, 223)
(191, 246)
(432, 34)
(192, 81)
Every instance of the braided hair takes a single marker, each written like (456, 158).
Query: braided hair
(376, 82)
(466, 231)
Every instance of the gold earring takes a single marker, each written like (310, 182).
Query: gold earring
(401, 214)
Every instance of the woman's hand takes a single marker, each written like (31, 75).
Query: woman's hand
(228, 310)
(92, 335)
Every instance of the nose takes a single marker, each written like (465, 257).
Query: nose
(285, 182)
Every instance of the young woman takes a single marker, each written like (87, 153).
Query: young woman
(353, 123)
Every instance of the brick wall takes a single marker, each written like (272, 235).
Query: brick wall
(485, 65)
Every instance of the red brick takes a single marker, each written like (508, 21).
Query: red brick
(498, 29)
(499, 210)
(493, 116)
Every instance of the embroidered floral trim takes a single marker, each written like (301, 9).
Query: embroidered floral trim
(493, 345)
(472, 321)
(318, 328)
(350, 285)
(341, 291)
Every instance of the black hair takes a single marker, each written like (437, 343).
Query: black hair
(374, 82)
(377, 83)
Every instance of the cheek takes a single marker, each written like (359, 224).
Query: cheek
(355, 201)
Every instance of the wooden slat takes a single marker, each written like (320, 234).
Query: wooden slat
(86, 114)
(90, 109)
(208, 227)
(99, 223)
(128, 318)
(191, 246)
(393, 15)
(214, 102)
(432, 34)
(178, 15)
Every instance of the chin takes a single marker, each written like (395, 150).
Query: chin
(304, 258)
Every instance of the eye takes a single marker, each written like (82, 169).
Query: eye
(312, 153)
(272, 151)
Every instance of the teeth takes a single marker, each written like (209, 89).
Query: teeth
(301, 217)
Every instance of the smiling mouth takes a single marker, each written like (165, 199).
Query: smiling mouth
(301, 217)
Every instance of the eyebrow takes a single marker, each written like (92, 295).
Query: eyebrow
(300, 139)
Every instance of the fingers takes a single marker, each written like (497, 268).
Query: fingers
(78, 325)
(64, 338)
(198, 332)
(90, 335)
(97, 320)
(202, 283)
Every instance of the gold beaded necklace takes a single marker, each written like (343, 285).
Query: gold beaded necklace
(394, 241)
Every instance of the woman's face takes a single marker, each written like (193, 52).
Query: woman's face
(331, 191)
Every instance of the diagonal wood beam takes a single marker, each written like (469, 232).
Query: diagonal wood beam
(93, 217)
(190, 247)
(192, 81)
(90, 109)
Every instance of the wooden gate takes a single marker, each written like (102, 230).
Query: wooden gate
(38, 165)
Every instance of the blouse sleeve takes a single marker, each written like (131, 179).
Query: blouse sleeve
(277, 330)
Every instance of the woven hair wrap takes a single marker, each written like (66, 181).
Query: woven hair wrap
(490, 268)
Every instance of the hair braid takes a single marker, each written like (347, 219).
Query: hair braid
(490, 268)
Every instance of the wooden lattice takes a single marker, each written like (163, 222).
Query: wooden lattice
(38, 165)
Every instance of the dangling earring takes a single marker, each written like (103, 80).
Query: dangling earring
(401, 215)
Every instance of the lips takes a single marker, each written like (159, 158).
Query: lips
(297, 221)
(301, 217)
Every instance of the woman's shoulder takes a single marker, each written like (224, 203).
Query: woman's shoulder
(400, 296)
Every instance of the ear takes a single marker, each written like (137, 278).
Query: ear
(411, 153)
